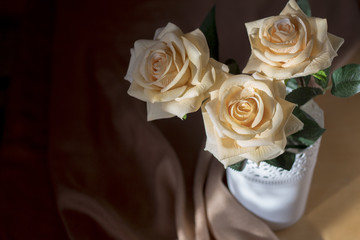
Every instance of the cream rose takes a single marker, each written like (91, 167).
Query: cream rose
(173, 72)
(291, 44)
(248, 118)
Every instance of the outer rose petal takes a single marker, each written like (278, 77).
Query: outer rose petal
(183, 107)
(155, 111)
(130, 70)
(266, 152)
(207, 81)
(335, 41)
(293, 125)
(291, 8)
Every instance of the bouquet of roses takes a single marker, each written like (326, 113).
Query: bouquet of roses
(250, 115)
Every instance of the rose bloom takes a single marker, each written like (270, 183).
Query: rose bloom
(248, 118)
(173, 72)
(291, 44)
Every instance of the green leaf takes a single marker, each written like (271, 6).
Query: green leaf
(301, 95)
(322, 78)
(297, 146)
(346, 81)
(239, 166)
(305, 6)
(208, 27)
(284, 161)
(233, 66)
(291, 83)
(184, 117)
(311, 131)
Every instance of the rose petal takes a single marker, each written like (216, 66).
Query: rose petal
(207, 81)
(157, 32)
(255, 142)
(280, 89)
(155, 111)
(252, 27)
(197, 58)
(293, 125)
(221, 74)
(157, 96)
(141, 46)
(335, 41)
(261, 111)
(285, 73)
(292, 8)
(266, 152)
(131, 67)
(224, 149)
(137, 91)
(180, 79)
(253, 65)
(281, 116)
(174, 41)
(169, 28)
(305, 54)
(213, 108)
(263, 58)
(198, 39)
(319, 29)
(276, 57)
(183, 107)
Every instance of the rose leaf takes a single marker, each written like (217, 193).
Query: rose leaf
(284, 161)
(301, 95)
(305, 7)
(233, 66)
(346, 81)
(239, 166)
(208, 27)
(310, 132)
(322, 78)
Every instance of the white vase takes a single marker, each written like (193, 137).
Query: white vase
(275, 195)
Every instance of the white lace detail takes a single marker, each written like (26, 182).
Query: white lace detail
(268, 174)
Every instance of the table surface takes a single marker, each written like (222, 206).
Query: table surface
(333, 208)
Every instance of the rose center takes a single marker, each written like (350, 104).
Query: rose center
(157, 65)
(282, 31)
(243, 110)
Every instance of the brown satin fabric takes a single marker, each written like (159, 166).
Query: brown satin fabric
(78, 158)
